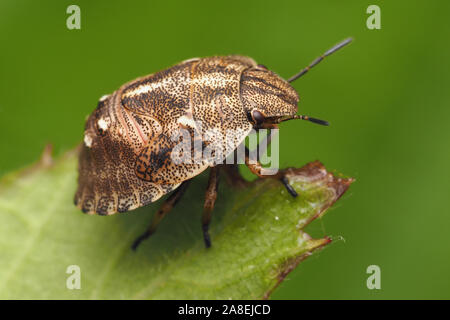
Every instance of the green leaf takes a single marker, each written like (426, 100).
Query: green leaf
(257, 235)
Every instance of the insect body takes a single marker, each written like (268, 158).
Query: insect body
(127, 157)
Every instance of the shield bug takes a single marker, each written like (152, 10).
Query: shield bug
(127, 160)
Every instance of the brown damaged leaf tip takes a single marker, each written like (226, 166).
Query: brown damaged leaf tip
(312, 172)
(316, 172)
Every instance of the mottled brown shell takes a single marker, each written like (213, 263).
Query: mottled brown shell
(125, 160)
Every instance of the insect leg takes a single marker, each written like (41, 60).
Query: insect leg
(233, 176)
(165, 208)
(257, 169)
(210, 199)
(288, 187)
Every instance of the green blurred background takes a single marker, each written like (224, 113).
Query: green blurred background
(386, 95)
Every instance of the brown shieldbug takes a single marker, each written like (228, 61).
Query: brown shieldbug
(126, 161)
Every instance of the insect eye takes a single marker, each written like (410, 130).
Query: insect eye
(258, 117)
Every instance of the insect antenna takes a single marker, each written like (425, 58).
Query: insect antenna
(317, 60)
(301, 117)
